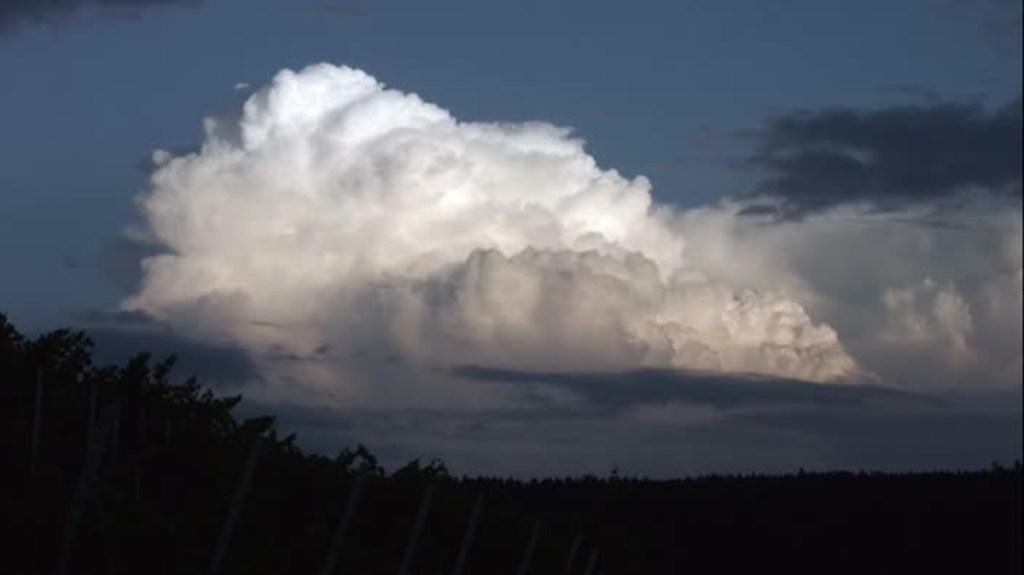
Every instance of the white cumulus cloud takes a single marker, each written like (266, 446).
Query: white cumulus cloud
(927, 311)
(924, 298)
(341, 218)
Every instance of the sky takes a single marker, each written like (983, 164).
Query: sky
(670, 238)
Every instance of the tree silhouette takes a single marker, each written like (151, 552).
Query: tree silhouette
(175, 452)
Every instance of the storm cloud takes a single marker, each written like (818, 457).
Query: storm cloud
(394, 276)
(338, 214)
(889, 158)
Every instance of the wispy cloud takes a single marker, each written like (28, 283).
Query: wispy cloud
(722, 391)
(17, 13)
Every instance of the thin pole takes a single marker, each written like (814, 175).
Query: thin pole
(576, 542)
(524, 565)
(334, 550)
(116, 440)
(467, 537)
(106, 528)
(421, 519)
(592, 562)
(140, 445)
(237, 500)
(36, 423)
(91, 420)
(86, 484)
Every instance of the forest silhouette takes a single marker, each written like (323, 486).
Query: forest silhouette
(121, 469)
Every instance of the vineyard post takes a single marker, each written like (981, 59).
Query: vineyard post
(106, 526)
(36, 423)
(592, 562)
(115, 441)
(86, 484)
(571, 558)
(467, 537)
(140, 445)
(90, 422)
(334, 550)
(235, 509)
(421, 519)
(524, 565)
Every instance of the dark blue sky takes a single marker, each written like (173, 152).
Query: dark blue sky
(662, 89)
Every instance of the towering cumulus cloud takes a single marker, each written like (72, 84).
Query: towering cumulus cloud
(339, 220)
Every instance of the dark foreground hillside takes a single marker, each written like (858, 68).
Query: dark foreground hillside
(119, 470)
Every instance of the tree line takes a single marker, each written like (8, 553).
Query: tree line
(122, 469)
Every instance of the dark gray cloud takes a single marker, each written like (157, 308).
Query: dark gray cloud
(889, 157)
(101, 318)
(17, 13)
(967, 431)
(121, 335)
(722, 391)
